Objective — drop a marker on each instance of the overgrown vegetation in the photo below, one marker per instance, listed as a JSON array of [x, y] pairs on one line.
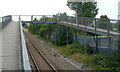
[[84, 9], [63, 39], [95, 61], [104, 23]]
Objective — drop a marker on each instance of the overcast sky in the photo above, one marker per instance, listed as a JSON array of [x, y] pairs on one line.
[[50, 7]]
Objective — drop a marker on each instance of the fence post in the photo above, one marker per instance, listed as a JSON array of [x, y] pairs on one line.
[[109, 39], [95, 25]]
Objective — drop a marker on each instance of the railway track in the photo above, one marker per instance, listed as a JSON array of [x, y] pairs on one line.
[[39, 60]]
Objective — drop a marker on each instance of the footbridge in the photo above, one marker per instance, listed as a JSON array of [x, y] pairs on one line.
[[14, 55]]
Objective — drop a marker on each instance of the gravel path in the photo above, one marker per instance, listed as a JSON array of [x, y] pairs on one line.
[[56, 59]]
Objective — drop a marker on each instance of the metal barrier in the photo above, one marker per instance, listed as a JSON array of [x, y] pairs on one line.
[[25, 65], [38, 19], [5, 20], [0, 23], [105, 27]]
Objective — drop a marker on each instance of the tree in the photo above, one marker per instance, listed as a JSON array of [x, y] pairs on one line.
[[34, 28], [61, 14], [104, 23], [84, 9], [35, 19], [46, 30], [64, 35], [23, 24], [118, 26]]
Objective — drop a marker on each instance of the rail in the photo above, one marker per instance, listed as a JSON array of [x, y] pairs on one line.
[[41, 55], [5, 20], [100, 26], [0, 23], [25, 65]]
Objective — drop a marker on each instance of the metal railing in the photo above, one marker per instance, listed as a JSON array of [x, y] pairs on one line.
[[0, 23], [105, 27], [24, 60], [5, 20], [25, 65], [38, 19], [95, 24]]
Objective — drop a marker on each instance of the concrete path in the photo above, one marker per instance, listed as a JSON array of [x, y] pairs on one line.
[[0, 47], [10, 47]]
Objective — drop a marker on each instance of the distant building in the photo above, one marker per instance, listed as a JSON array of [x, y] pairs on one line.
[[119, 10]]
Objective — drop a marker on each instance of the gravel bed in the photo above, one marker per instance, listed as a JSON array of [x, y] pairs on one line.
[[42, 64], [58, 61]]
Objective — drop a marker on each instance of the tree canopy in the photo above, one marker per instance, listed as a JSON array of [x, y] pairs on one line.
[[104, 23], [84, 9]]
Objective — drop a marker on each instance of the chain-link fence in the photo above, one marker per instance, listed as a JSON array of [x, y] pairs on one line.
[[106, 29]]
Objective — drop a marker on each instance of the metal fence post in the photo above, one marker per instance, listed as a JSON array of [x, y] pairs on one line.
[[97, 41], [95, 26], [109, 42]]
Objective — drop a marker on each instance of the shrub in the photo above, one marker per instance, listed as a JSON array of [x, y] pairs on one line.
[[61, 35], [106, 62], [73, 48]]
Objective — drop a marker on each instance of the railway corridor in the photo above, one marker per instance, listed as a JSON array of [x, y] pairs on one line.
[[13, 50], [40, 62], [57, 62]]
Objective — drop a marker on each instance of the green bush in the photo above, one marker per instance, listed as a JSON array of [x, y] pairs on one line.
[[64, 35], [73, 48], [89, 50], [106, 62], [34, 28], [26, 26], [118, 52]]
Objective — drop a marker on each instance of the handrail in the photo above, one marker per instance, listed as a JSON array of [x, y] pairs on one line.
[[25, 65], [0, 23], [6, 20]]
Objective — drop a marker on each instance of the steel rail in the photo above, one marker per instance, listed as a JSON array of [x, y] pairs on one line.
[[33, 59], [43, 55]]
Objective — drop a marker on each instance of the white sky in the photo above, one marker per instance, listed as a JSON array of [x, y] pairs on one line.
[[50, 7]]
